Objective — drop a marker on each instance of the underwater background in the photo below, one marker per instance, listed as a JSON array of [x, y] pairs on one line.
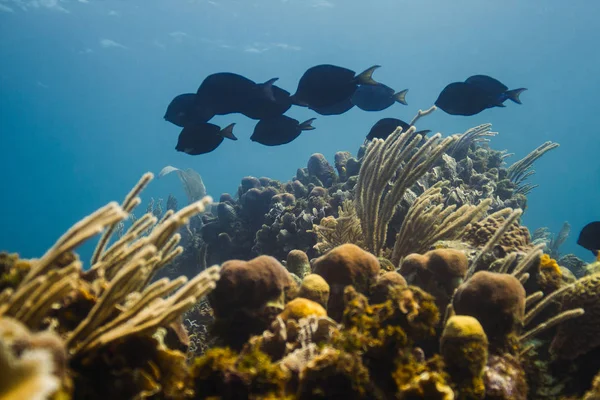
[[84, 86]]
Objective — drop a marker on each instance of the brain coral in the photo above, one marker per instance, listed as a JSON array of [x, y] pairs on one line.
[[249, 284], [517, 238]]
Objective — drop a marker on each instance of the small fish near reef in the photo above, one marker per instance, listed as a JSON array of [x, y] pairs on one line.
[[377, 97], [589, 237], [279, 130], [386, 126], [203, 138], [496, 88], [325, 85], [184, 110], [460, 98], [478, 93], [227, 93]]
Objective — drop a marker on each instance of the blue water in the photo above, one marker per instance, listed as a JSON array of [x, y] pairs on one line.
[[84, 86]]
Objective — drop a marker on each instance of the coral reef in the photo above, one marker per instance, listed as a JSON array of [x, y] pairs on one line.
[[403, 273], [324, 206]]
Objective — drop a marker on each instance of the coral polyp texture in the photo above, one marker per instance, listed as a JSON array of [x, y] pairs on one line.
[[401, 273]]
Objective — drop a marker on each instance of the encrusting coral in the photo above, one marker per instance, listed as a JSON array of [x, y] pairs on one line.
[[404, 273]]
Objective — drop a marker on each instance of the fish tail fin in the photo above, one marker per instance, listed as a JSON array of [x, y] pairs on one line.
[[267, 88], [400, 97], [306, 125], [366, 77], [227, 132], [514, 94]]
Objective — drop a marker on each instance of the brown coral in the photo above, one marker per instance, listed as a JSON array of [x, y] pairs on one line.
[[439, 272], [346, 265], [497, 301], [248, 298], [249, 285], [380, 291]]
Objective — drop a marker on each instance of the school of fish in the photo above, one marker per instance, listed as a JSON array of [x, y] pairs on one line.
[[325, 89]]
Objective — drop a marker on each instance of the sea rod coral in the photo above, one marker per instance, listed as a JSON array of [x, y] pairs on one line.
[[105, 326]]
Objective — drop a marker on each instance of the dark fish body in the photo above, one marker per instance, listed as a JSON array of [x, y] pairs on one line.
[[487, 83], [377, 97], [279, 130], [496, 88], [203, 138], [460, 98], [184, 110], [326, 85], [589, 237], [335, 109], [386, 126], [264, 108], [226, 93]]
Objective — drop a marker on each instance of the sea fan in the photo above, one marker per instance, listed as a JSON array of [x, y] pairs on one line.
[[191, 180]]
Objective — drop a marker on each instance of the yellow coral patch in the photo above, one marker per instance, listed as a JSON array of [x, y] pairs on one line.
[[301, 308], [548, 264], [464, 327]]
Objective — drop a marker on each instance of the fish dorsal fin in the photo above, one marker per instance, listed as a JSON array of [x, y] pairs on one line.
[[267, 88], [366, 77], [306, 125], [227, 132], [400, 97]]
